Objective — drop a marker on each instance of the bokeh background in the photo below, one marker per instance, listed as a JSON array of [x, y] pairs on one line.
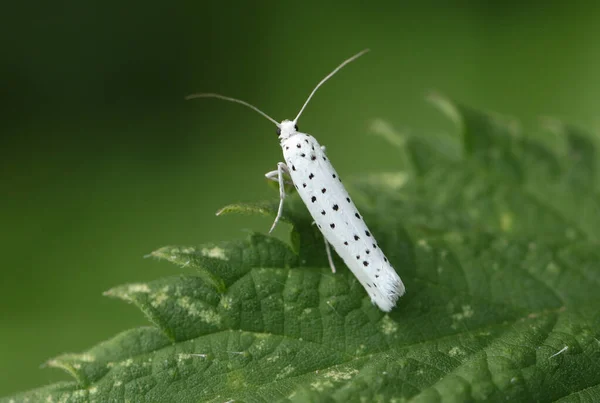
[[102, 161]]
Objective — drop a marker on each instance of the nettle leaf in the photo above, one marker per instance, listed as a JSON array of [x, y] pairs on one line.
[[496, 239]]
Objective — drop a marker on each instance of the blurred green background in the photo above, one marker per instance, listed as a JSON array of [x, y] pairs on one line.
[[102, 161]]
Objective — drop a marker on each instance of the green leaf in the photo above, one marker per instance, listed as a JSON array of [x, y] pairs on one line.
[[495, 236]]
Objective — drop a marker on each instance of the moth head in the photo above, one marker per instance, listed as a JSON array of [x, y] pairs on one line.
[[287, 129]]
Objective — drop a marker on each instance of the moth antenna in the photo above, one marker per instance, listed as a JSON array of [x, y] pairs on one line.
[[237, 101], [351, 59]]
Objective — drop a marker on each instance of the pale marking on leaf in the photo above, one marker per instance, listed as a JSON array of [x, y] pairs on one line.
[[157, 299], [244, 353], [506, 221], [68, 358], [454, 351], [227, 302], [93, 390], [467, 312], [86, 357], [206, 315], [285, 372], [138, 288], [188, 356], [117, 384], [127, 292], [391, 180], [339, 376], [388, 326], [334, 310], [320, 386], [216, 253], [424, 244], [261, 345], [553, 268], [565, 348]]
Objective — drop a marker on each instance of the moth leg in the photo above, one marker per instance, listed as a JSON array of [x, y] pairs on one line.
[[328, 250], [274, 176], [323, 148], [281, 168], [329, 257]]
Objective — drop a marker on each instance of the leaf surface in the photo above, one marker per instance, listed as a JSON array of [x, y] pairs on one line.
[[496, 242]]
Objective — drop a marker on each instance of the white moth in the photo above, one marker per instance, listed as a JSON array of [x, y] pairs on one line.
[[328, 202]]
